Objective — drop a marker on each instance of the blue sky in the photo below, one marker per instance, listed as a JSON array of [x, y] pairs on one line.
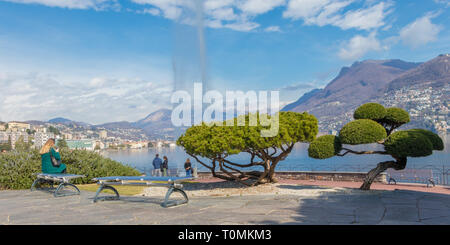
[[110, 60]]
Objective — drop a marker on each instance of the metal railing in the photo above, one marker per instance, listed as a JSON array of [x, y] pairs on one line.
[[440, 173]]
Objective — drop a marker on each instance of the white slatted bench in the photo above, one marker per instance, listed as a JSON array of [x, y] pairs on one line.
[[173, 183], [62, 179]]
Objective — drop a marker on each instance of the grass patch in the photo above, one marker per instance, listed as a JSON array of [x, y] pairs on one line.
[[124, 190]]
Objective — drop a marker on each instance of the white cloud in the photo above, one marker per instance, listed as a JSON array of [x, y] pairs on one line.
[[365, 19], [256, 7], [41, 97], [333, 12], [445, 2], [233, 14], [358, 46], [72, 4], [272, 29], [420, 32], [152, 11]]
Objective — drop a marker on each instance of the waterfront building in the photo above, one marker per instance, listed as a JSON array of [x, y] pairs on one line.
[[15, 136], [40, 138], [3, 137], [103, 134]]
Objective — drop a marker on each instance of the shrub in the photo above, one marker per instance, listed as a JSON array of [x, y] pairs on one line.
[[325, 147], [217, 143], [17, 168], [373, 111], [435, 140], [362, 131], [408, 144], [396, 115]]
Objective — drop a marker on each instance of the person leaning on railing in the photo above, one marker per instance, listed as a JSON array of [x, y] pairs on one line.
[[188, 167], [49, 165]]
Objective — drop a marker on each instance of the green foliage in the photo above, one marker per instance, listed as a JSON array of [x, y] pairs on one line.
[[17, 168], [5, 147], [62, 143], [210, 141], [435, 140], [396, 115], [53, 130], [373, 111], [21, 145], [408, 143], [325, 146], [362, 131]]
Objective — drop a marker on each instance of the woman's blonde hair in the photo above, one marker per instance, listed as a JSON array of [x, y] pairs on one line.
[[46, 148]]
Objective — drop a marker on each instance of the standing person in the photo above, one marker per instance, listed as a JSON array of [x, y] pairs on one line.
[[165, 166], [47, 152], [188, 168], [157, 162]]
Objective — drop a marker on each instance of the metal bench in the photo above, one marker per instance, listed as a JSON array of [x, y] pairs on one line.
[[412, 175], [172, 183], [62, 179]]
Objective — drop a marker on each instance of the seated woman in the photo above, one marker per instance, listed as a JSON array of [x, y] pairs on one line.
[[47, 166]]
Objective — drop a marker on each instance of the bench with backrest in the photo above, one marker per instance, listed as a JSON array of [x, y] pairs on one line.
[[172, 183], [63, 181], [411, 175]]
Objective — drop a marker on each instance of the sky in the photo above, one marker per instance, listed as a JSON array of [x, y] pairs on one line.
[[100, 61]]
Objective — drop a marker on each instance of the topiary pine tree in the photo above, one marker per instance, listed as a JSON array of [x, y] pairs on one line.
[[375, 124], [217, 143]]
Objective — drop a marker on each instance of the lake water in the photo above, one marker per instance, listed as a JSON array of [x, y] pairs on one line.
[[298, 160]]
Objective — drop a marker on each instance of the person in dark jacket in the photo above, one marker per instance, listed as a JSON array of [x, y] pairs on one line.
[[157, 162], [188, 167], [47, 151], [165, 166]]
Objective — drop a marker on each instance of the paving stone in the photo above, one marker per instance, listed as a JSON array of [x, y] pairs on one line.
[[343, 206]]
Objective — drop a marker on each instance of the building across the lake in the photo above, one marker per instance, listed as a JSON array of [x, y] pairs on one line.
[[86, 144], [40, 138], [18, 126]]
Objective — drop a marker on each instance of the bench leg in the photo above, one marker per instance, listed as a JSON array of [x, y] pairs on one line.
[[103, 187], [33, 186], [172, 189], [430, 181], [391, 179], [61, 186]]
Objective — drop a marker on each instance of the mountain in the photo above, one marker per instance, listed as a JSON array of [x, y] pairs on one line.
[[115, 125], [35, 122], [389, 82], [159, 124], [157, 117], [435, 72], [68, 122], [352, 86]]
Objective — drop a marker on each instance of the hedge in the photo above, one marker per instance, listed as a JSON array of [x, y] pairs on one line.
[[362, 131], [325, 146], [408, 143], [373, 111], [17, 168], [396, 115]]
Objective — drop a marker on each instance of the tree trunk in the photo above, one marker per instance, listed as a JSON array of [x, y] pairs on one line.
[[381, 167], [271, 178]]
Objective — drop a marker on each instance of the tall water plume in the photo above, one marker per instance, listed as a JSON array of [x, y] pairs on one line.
[[189, 62]]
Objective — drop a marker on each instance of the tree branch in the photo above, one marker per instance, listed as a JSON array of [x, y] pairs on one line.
[[361, 152]]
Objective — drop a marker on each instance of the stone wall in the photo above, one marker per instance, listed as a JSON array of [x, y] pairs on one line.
[[318, 175]]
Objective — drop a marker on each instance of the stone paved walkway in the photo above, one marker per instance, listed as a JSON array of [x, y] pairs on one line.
[[324, 206]]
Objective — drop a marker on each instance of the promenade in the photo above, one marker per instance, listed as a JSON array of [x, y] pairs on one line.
[[286, 203]]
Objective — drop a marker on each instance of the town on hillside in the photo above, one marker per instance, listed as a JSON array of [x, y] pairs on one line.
[[19, 134]]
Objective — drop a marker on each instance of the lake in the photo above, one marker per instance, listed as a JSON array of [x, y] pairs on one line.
[[298, 160]]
